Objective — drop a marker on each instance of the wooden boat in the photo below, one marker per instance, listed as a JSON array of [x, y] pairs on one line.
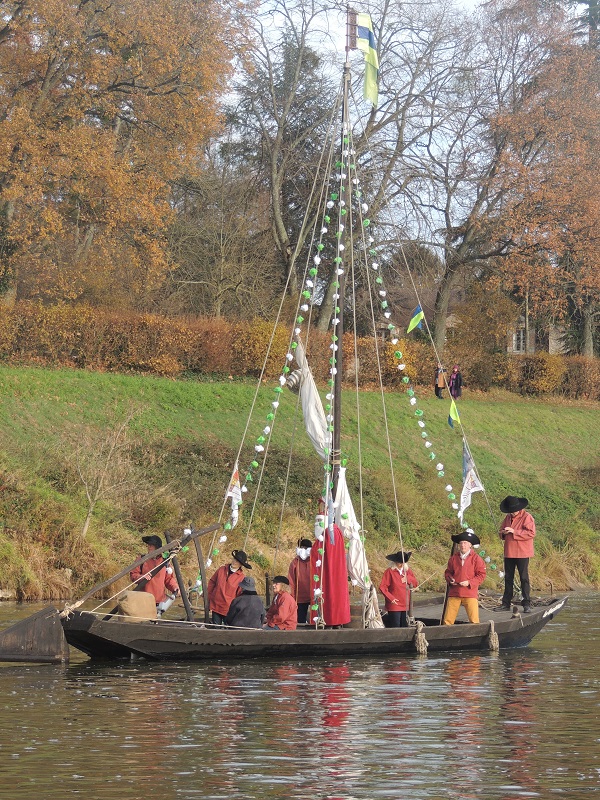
[[110, 634], [166, 640], [45, 636]]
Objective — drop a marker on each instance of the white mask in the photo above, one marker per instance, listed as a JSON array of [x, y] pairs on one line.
[[303, 552]]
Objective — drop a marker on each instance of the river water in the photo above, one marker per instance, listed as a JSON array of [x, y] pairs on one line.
[[518, 724]]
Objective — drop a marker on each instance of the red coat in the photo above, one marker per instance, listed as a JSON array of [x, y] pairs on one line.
[[472, 570], [520, 543], [283, 612], [222, 588], [394, 586], [299, 576], [162, 580], [332, 578]]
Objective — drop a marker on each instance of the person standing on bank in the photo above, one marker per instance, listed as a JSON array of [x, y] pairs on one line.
[[455, 383], [395, 586], [517, 532], [282, 614], [439, 381], [464, 574], [247, 609], [299, 576], [224, 584]]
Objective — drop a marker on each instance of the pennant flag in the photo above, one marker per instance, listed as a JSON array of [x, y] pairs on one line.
[[365, 41], [471, 481], [453, 415], [416, 321], [235, 492]]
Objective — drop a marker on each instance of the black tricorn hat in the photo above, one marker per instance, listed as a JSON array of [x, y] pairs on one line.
[[155, 541], [511, 504], [400, 557], [241, 557], [466, 536], [304, 543], [280, 579]]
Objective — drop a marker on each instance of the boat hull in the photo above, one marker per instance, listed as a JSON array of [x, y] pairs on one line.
[[167, 640]]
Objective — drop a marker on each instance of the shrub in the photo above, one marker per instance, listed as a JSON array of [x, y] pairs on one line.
[[542, 373], [582, 378], [87, 337]]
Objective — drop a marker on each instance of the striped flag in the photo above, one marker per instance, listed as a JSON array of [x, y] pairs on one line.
[[235, 492], [471, 481], [365, 41], [416, 321]]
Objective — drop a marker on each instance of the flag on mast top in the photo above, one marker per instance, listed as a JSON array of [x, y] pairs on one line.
[[365, 41]]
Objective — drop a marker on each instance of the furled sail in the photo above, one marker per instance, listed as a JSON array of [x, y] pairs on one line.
[[345, 518], [358, 567], [312, 407]]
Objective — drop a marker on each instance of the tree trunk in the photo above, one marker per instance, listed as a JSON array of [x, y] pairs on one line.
[[587, 346], [8, 296], [440, 310]]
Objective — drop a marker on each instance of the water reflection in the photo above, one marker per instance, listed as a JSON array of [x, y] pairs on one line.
[[501, 726]]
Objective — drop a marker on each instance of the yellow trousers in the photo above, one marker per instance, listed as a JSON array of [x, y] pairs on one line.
[[454, 603]]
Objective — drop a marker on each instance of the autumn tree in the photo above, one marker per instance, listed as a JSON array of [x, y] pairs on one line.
[[553, 214], [102, 106]]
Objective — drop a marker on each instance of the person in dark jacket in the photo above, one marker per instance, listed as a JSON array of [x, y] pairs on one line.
[[455, 383], [247, 609]]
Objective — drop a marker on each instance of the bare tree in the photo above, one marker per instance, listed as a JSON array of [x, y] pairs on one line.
[[103, 464], [224, 254], [284, 105]]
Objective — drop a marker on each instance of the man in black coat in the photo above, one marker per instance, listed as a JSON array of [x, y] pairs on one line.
[[247, 609]]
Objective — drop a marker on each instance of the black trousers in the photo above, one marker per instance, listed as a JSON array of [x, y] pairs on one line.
[[218, 619], [302, 612], [522, 565], [396, 619]]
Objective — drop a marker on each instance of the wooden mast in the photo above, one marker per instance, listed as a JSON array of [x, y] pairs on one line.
[[343, 221]]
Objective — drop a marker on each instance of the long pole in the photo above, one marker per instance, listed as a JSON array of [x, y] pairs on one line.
[[189, 612], [337, 360]]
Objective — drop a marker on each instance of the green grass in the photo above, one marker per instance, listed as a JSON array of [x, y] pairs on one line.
[[181, 445]]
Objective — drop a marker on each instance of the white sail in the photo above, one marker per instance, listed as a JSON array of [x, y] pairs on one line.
[[358, 567], [312, 407], [316, 426]]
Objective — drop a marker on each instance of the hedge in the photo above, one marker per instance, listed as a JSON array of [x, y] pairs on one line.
[[91, 338]]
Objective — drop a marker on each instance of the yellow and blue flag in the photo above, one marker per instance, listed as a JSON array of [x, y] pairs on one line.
[[453, 415], [365, 41], [416, 321]]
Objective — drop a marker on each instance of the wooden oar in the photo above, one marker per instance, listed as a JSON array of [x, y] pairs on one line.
[[176, 543], [447, 588]]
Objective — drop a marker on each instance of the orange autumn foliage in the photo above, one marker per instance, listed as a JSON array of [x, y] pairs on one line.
[[103, 105], [553, 214]]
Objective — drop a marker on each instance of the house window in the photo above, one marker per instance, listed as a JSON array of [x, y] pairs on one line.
[[519, 341]]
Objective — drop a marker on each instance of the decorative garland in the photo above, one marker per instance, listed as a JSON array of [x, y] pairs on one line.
[[306, 300]]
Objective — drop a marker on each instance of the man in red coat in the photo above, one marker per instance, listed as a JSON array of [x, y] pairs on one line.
[[282, 614], [224, 584], [395, 586], [299, 576], [517, 532], [464, 573], [159, 579]]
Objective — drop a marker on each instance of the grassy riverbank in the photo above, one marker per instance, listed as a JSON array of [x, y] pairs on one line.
[[174, 444]]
